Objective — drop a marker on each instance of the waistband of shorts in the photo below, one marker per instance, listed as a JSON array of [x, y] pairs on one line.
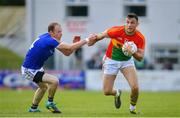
[[22, 67], [105, 57]]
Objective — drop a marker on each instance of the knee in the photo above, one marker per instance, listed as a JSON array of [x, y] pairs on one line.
[[55, 82], [44, 88]]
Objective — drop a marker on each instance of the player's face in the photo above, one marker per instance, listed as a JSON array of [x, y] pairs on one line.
[[57, 33], [131, 24]]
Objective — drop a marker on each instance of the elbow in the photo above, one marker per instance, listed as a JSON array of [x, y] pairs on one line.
[[138, 56], [140, 59], [67, 54]]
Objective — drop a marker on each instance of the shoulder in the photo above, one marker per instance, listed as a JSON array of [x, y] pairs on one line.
[[115, 31], [53, 42], [140, 35], [47, 38], [116, 28], [45, 35]]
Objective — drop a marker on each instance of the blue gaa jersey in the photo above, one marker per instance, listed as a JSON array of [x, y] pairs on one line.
[[40, 50]]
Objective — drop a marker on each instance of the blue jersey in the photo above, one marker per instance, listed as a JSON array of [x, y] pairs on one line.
[[40, 50]]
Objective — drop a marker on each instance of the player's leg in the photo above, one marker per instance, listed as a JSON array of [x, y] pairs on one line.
[[52, 84], [111, 69], [108, 83], [35, 76], [52, 87], [38, 95], [131, 76]]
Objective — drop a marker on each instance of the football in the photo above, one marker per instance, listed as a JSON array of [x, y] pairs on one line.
[[126, 46]]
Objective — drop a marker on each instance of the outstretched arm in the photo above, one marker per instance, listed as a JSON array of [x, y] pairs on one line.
[[65, 51], [68, 49], [93, 38]]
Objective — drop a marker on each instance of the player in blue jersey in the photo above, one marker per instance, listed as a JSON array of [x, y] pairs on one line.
[[32, 69]]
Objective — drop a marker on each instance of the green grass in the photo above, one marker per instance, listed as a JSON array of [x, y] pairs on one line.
[[9, 60], [90, 104]]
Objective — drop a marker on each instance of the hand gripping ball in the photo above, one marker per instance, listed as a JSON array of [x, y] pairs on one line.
[[129, 48]]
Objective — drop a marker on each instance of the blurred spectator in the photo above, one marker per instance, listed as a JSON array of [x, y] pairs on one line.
[[140, 64], [150, 66], [78, 59], [91, 63], [96, 61], [167, 65], [78, 54]]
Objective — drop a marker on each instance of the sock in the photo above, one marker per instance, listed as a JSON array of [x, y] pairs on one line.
[[132, 107], [117, 92], [133, 103], [34, 106], [50, 99]]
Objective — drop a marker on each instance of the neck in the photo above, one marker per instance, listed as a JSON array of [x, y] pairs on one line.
[[55, 39]]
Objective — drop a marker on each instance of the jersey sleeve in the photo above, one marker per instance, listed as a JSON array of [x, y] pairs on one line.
[[53, 43], [141, 44], [112, 32]]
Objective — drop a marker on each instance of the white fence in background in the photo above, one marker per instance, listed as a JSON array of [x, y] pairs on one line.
[[92, 80], [148, 81]]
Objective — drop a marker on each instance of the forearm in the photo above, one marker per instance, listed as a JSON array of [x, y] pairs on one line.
[[77, 45], [100, 36], [138, 56], [66, 52], [67, 49]]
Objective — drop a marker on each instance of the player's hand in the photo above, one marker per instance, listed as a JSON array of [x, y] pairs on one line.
[[92, 39], [129, 48]]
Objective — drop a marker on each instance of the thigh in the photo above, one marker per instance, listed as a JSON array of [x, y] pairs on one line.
[[111, 67], [130, 75], [108, 81], [48, 78]]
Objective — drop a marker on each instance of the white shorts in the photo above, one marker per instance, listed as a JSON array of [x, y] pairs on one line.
[[29, 73], [112, 67]]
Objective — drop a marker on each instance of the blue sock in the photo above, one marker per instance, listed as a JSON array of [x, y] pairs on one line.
[[34, 106], [50, 99]]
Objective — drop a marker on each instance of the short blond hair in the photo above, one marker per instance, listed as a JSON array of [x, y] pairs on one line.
[[52, 26]]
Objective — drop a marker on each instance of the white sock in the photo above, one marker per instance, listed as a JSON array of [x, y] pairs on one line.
[[117, 92], [132, 107]]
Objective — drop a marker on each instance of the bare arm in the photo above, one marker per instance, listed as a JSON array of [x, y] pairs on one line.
[[97, 37], [139, 55], [68, 49], [65, 51], [102, 35]]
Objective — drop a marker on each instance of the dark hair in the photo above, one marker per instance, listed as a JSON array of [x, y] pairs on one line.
[[132, 15], [51, 26]]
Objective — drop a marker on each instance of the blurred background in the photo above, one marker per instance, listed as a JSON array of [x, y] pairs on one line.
[[21, 21]]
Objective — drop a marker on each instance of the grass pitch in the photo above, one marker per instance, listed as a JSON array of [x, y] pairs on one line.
[[15, 103]]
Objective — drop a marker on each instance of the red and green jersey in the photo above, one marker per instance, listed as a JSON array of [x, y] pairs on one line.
[[118, 38]]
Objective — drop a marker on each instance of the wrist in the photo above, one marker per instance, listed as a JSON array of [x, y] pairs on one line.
[[86, 39], [99, 36]]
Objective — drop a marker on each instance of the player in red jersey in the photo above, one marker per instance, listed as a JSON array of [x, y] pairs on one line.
[[116, 60]]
